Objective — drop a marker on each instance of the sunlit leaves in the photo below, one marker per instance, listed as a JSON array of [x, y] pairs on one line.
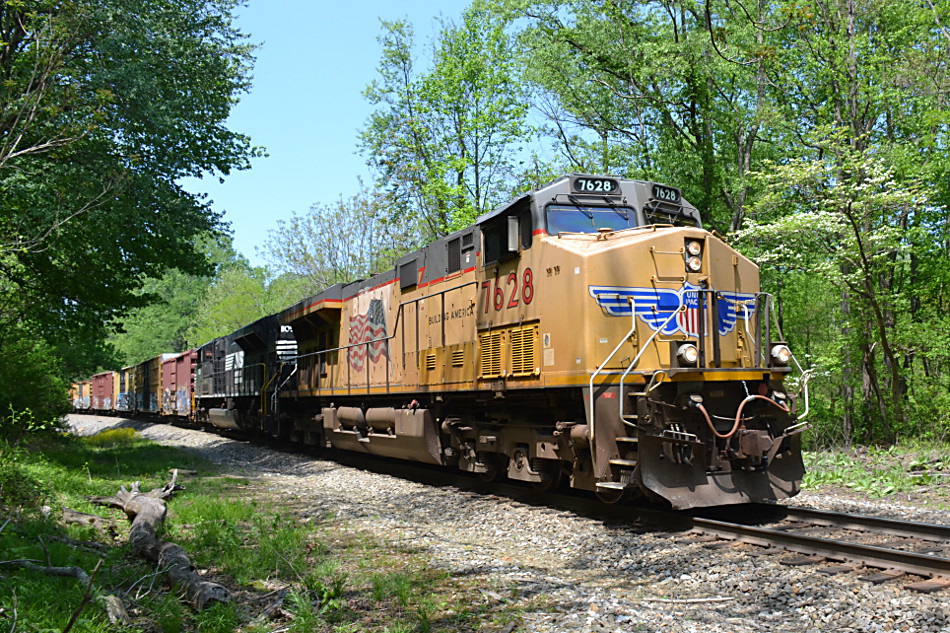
[[443, 140]]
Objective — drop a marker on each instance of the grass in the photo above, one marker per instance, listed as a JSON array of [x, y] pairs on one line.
[[237, 533], [879, 472]]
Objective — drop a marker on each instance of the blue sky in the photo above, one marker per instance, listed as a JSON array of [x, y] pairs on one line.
[[306, 106]]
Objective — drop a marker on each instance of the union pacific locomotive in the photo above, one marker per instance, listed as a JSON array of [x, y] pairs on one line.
[[588, 332]]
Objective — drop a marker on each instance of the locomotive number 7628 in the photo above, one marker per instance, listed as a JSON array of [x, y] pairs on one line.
[[511, 293]]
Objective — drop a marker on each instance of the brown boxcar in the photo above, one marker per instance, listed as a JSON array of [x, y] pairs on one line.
[[178, 384], [103, 386]]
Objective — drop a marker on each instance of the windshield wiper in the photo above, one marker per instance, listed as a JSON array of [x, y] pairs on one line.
[[577, 203], [619, 210]]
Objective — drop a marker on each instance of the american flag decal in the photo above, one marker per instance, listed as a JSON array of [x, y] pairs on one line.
[[370, 326]]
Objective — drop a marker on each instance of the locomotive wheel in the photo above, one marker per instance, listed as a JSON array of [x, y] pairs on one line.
[[489, 475], [494, 466], [550, 477]]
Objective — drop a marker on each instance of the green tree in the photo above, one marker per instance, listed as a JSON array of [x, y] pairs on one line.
[[861, 85], [240, 295], [351, 239], [163, 324], [669, 91], [104, 106], [444, 141], [848, 232]]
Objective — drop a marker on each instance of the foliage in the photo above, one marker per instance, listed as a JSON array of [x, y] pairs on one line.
[[444, 140], [31, 376], [846, 222], [877, 471], [164, 325], [352, 239], [104, 106], [242, 294], [643, 89]]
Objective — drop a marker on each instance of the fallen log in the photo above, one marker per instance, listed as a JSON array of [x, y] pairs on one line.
[[147, 512]]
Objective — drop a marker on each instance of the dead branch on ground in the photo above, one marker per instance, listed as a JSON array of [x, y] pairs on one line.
[[147, 512]]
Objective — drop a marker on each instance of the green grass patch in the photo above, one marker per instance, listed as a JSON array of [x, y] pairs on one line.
[[879, 472], [61, 472], [112, 437], [237, 532]]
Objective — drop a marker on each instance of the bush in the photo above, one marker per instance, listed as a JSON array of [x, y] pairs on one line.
[[30, 378], [17, 425]]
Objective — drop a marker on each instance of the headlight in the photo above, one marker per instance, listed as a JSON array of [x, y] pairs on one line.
[[687, 354], [694, 264], [781, 354], [693, 247]]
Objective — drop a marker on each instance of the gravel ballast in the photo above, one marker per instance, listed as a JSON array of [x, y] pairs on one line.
[[592, 576]]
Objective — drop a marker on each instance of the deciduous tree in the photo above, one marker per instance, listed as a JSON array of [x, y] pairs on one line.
[[444, 140], [104, 106]]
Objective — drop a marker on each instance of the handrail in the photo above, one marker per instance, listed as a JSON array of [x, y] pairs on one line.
[[388, 337], [395, 324], [633, 328], [633, 314], [806, 374]]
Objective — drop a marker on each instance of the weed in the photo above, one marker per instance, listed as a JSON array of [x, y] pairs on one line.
[[874, 470], [221, 617], [112, 437], [300, 605], [169, 614], [327, 584], [391, 584], [19, 486]]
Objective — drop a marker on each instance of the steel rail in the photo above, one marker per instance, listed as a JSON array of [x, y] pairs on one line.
[[869, 555], [894, 527]]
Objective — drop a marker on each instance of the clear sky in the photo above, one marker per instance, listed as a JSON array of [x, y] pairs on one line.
[[306, 105]]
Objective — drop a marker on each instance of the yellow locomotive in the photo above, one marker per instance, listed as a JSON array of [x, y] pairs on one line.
[[590, 331]]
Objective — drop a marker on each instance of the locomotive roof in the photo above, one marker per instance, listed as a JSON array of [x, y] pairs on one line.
[[640, 192]]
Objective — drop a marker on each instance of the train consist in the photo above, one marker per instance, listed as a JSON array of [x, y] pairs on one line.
[[590, 332]]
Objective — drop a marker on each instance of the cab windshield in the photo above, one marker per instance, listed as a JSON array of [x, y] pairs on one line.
[[564, 218]]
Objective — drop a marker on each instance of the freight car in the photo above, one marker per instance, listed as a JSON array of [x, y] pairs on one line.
[[590, 332]]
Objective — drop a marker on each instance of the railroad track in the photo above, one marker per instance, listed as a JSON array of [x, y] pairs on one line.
[[846, 541], [889, 549]]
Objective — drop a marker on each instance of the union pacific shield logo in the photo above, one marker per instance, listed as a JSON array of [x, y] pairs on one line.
[[660, 307]]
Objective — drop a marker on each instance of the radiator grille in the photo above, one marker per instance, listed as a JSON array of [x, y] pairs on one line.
[[430, 361], [458, 358], [489, 354], [522, 350]]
